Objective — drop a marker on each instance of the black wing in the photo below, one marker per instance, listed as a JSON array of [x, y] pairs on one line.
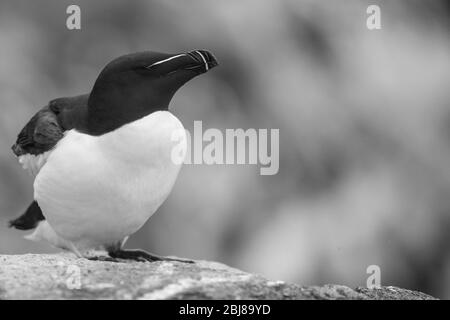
[[41, 134], [47, 126]]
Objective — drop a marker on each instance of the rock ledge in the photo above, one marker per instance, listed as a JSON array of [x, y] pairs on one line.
[[61, 276]]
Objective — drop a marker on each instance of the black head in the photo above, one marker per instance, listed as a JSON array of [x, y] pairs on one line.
[[135, 85]]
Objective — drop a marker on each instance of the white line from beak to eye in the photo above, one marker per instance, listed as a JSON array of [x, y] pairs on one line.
[[204, 60], [168, 59]]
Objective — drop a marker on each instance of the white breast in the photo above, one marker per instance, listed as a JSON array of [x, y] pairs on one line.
[[98, 190], [33, 163]]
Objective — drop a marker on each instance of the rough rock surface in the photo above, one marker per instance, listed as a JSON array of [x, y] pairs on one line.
[[61, 276]]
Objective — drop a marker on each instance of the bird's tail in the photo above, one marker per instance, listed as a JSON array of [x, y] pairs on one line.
[[29, 220]]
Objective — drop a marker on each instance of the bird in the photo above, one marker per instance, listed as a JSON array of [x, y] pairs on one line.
[[102, 162]]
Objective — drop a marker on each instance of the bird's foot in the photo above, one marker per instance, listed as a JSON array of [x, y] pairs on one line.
[[102, 258], [142, 256]]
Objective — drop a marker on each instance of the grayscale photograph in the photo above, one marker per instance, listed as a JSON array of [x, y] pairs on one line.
[[208, 151]]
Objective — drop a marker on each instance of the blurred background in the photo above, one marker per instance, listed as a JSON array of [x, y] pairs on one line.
[[364, 119]]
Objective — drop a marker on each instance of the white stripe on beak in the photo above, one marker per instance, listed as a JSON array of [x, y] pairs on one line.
[[204, 60], [165, 60]]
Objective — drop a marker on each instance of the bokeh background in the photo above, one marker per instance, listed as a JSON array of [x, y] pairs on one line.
[[364, 119]]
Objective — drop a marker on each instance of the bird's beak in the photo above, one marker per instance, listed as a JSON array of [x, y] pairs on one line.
[[198, 61], [204, 59]]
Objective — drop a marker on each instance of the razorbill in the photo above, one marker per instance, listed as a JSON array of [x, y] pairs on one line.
[[102, 161]]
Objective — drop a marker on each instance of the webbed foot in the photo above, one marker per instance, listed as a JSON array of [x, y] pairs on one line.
[[142, 256]]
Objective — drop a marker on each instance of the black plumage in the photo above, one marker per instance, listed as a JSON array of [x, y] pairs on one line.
[[30, 219], [48, 125]]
